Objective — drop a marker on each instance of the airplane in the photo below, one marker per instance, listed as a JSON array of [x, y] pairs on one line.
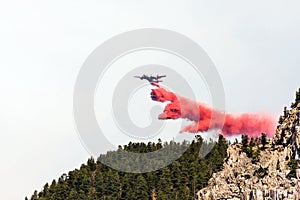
[[151, 79]]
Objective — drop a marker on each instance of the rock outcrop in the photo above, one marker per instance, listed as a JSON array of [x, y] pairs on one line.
[[273, 174]]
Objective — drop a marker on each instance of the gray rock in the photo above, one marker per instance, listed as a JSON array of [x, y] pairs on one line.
[[239, 180]]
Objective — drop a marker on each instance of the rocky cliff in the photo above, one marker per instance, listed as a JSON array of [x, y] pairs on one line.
[[265, 170]]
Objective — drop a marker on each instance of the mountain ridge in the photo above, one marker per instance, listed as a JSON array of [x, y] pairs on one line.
[[273, 174], [256, 168]]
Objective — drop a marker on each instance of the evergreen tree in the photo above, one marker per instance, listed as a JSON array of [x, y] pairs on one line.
[[142, 190], [297, 99], [180, 180], [73, 195], [99, 184], [111, 184], [264, 140], [34, 196], [244, 143]]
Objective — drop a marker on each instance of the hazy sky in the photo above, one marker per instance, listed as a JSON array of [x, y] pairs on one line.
[[255, 46]]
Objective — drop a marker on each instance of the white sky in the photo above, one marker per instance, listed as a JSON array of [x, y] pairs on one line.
[[255, 45]]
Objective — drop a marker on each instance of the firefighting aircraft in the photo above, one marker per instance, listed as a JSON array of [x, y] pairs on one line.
[[151, 79]]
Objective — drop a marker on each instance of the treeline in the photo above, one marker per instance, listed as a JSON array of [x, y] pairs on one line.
[[179, 180]]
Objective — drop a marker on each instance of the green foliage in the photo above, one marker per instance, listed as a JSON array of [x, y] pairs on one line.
[[292, 164], [264, 140], [91, 164], [248, 147], [180, 180], [252, 148], [244, 143], [261, 172], [256, 154], [297, 99], [292, 174]]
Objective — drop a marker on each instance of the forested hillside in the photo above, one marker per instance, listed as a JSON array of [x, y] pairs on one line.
[[180, 180]]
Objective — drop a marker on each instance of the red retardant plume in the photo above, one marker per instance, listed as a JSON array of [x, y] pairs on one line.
[[250, 124]]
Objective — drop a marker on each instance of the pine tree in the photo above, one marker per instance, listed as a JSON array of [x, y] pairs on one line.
[[73, 195], [244, 143], [264, 140], [111, 184], [99, 184], [91, 163], [142, 190], [34, 196], [297, 99], [180, 180]]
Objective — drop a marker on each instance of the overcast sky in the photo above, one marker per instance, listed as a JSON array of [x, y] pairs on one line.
[[255, 46]]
